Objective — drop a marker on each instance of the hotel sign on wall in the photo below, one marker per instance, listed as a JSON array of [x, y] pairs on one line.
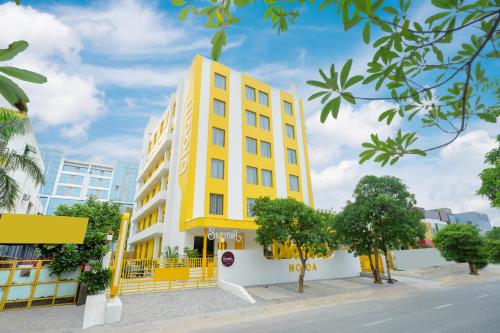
[[215, 234], [227, 258]]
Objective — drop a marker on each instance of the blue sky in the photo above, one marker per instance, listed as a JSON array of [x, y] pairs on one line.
[[113, 64]]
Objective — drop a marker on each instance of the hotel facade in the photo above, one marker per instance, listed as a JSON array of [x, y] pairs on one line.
[[224, 140]]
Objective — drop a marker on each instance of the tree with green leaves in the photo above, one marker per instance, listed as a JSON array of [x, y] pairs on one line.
[[493, 245], [413, 65], [104, 218], [490, 177], [288, 220], [14, 123], [462, 243], [381, 218]]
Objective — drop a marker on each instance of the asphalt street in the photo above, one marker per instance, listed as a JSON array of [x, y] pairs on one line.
[[469, 308]]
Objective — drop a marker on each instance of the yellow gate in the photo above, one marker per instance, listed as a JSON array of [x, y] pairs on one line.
[[28, 283], [149, 275]]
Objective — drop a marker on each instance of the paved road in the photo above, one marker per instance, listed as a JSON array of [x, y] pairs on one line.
[[471, 308]]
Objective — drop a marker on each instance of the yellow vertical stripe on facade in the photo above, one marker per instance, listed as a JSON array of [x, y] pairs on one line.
[[213, 185], [189, 128], [306, 155], [257, 161], [288, 143]]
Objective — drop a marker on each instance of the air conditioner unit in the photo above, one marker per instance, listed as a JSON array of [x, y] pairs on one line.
[[26, 197]]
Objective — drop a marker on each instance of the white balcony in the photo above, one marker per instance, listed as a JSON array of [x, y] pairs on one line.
[[150, 183], [149, 233], [153, 156], [150, 206]]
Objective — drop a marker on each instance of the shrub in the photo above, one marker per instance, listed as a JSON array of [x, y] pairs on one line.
[[96, 279]]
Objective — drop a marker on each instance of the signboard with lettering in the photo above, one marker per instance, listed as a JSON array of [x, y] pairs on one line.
[[227, 258]]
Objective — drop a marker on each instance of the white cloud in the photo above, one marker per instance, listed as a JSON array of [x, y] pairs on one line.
[[105, 149], [135, 76], [68, 101], [130, 28], [449, 179], [48, 36], [472, 144], [351, 128]]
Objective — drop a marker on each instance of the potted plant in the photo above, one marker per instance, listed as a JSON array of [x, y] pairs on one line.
[[96, 280]]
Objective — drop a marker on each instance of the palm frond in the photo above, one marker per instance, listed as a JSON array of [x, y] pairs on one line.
[[25, 162], [12, 123], [9, 191]]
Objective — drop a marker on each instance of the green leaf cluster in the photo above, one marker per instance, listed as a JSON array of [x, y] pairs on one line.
[[288, 220], [382, 217], [96, 279], [104, 218], [490, 177], [445, 87], [8, 88], [461, 243]]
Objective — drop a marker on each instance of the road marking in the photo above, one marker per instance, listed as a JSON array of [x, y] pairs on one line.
[[443, 306], [377, 322], [481, 296]]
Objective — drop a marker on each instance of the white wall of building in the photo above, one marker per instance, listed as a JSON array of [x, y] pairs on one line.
[[406, 260], [27, 201], [250, 268]]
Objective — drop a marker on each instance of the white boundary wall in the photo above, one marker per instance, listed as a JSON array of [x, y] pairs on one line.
[[250, 268], [406, 260]]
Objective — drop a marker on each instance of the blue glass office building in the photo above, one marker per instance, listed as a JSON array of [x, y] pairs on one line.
[[70, 181]]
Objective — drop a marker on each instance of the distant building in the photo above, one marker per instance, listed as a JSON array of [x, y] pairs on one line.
[[480, 220], [435, 219], [70, 181], [27, 202]]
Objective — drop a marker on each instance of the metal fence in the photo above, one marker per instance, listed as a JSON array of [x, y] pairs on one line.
[[28, 283], [149, 275]]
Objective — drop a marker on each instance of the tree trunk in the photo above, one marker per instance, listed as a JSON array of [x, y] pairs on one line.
[[378, 280], [302, 269], [389, 278], [372, 267], [473, 269]]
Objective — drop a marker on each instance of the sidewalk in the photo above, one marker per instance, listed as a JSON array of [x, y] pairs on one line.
[[187, 310]]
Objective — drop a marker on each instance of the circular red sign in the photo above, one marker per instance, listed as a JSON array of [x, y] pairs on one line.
[[227, 258]]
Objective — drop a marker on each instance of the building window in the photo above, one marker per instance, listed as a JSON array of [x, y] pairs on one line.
[[216, 204], [265, 149], [251, 118], [220, 81], [292, 156], [264, 123], [250, 204], [288, 107], [217, 169], [290, 133], [267, 178], [252, 177], [294, 183], [218, 137], [263, 98], [251, 146], [250, 93], [219, 107]]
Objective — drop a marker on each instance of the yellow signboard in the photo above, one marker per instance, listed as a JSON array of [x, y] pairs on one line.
[[41, 229]]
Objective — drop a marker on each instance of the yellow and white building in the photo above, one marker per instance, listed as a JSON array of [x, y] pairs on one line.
[[224, 140]]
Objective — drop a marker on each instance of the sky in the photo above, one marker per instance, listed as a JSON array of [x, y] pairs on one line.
[[111, 65]]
